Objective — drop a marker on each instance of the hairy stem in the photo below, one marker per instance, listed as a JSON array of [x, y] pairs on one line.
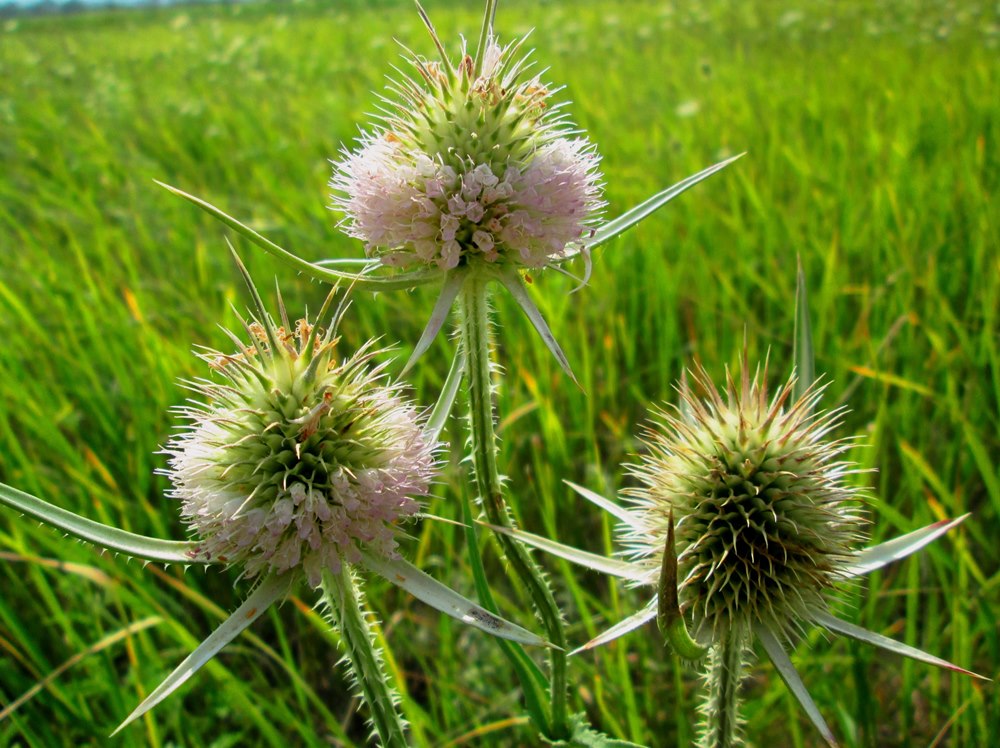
[[720, 713], [476, 343], [344, 600]]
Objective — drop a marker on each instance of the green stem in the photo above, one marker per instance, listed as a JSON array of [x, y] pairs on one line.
[[345, 601], [721, 719], [473, 301]]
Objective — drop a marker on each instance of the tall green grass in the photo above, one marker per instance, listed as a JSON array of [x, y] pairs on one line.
[[873, 133]]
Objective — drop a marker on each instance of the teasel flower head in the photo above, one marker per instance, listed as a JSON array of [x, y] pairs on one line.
[[470, 163], [765, 518], [301, 457]]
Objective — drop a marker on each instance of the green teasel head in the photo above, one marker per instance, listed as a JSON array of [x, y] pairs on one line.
[[301, 456], [765, 517]]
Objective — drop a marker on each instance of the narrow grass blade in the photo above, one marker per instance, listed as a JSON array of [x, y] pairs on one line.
[[643, 210], [776, 652], [534, 684], [112, 538], [439, 315], [802, 354], [878, 556], [406, 576], [593, 561], [84, 571], [884, 642], [513, 283], [621, 628], [446, 400], [262, 597], [319, 272], [98, 646], [607, 505]]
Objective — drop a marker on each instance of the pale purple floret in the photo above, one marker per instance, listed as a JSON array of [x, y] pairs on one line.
[[416, 210]]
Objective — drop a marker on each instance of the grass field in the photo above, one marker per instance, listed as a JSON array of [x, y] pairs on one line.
[[873, 132]]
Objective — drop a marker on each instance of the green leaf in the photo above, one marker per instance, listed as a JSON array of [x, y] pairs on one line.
[[446, 400], [802, 354], [317, 271], [612, 566], [884, 642], [643, 210], [585, 736], [263, 596], [365, 263], [112, 538], [406, 576], [630, 519], [624, 626], [439, 315], [512, 282], [876, 557], [790, 676]]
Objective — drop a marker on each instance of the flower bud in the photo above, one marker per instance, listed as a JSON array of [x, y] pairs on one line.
[[764, 517]]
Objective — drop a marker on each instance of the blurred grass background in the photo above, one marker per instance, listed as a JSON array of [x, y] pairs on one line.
[[873, 132]]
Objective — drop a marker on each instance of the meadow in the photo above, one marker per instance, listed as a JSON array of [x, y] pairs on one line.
[[872, 133]]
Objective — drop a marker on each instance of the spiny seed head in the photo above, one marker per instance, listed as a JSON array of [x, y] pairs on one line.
[[469, 164], [764, 518], [300, 458]]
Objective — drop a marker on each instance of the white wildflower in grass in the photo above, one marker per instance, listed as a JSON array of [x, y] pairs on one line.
[[474, 175], [743, 522], [301, 465], [471, 163]]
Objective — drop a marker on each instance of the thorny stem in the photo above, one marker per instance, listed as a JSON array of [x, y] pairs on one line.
[[720, 714], [476, 343], [341, 594]]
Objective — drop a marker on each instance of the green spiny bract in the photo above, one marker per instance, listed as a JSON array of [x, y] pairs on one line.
[[492, 118], [301, 458], [764, 518]]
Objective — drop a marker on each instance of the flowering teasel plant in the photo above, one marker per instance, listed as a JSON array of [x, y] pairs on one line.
[[474, 176], [300, 466], [743, 522]]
